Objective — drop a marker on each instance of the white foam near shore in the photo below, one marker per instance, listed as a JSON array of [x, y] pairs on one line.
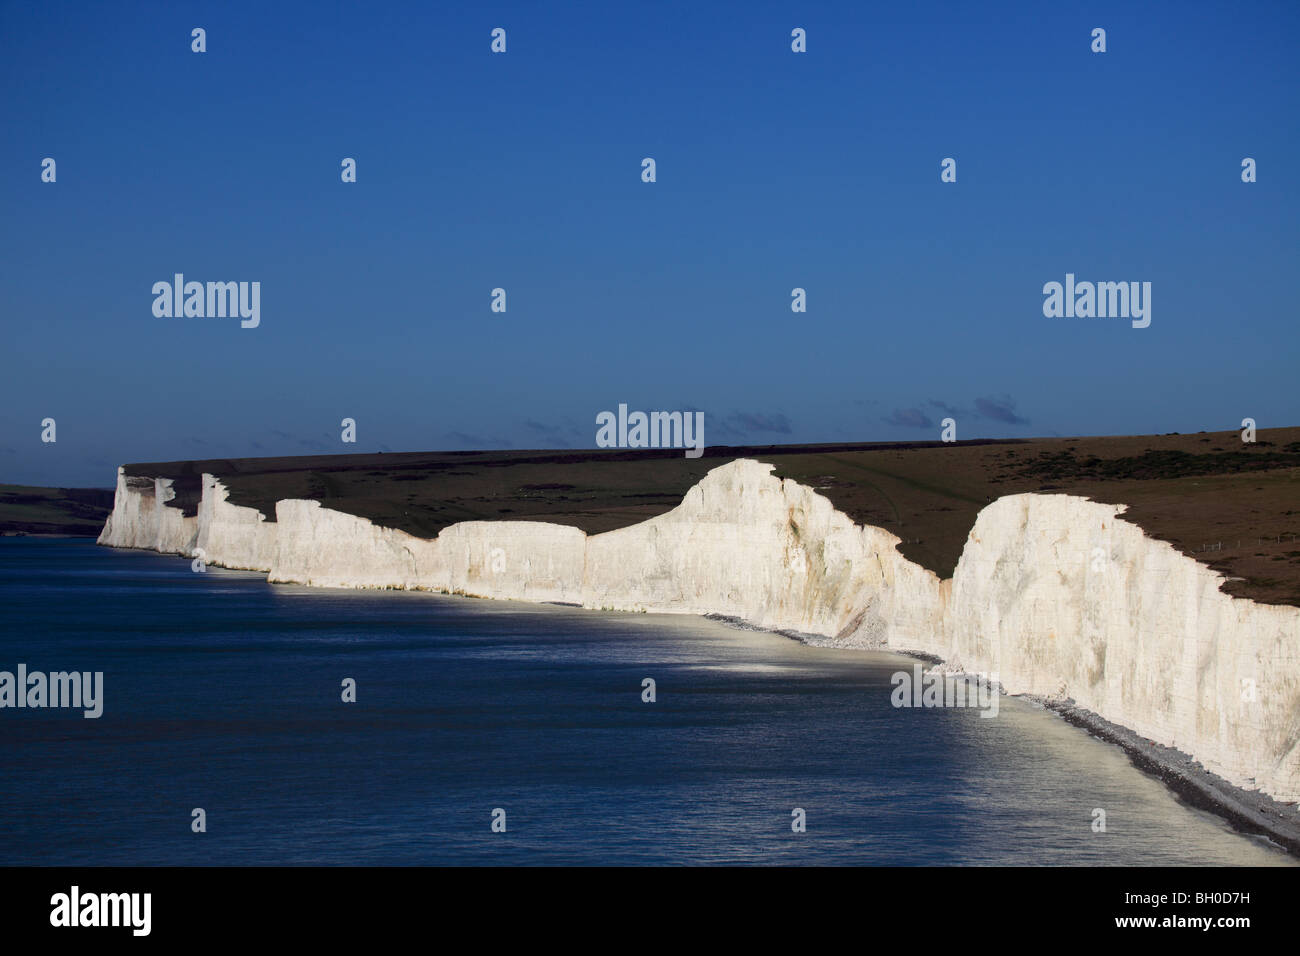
[[1057, 595]]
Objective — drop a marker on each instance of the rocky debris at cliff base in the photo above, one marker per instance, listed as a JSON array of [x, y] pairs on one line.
[[1249, 811]]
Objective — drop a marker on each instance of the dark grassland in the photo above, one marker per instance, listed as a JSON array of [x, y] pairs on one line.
[[25, 509], [1196, 491]]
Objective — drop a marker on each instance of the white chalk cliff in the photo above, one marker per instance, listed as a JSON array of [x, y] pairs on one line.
[[1056, 595]]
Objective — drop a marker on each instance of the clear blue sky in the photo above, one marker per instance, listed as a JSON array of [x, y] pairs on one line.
[[522, 170]]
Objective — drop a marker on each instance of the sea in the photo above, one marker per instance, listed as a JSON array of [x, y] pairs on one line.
[[510, 734]]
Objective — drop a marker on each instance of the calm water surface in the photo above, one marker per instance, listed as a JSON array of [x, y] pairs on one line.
[[223, 692]]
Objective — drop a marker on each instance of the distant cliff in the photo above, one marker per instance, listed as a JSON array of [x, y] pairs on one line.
[[1057, 595]]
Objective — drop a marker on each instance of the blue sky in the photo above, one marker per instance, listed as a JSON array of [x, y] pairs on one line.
[[522, 171]]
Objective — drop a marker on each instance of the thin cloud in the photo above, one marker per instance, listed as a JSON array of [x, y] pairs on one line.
[[999, 409], [466, 440], [748, 422], [945, 407], [715, 426], [909, 418], [555, 435]]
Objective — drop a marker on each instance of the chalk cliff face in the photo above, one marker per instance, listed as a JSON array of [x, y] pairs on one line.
[[742, 543], [1055, 594], [773, 553], [231, 536], [1060, 596], [526, 560], [140, 518]]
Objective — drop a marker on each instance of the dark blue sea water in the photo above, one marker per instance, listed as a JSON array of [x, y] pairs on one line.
[[223, 692]]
